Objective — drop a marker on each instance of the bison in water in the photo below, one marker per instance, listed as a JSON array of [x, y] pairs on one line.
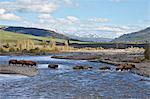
[[53, 66], [22, 62], [12, 62], [125, 67], [30, 63], [79, 67]]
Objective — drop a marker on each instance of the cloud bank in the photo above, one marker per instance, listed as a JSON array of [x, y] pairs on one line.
[[69, 24]]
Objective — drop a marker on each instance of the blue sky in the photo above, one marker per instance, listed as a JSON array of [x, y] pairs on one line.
[[94, 18]]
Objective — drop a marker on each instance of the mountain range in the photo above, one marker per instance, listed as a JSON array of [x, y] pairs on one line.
[[49, 33], [91, 39], [139, 36]]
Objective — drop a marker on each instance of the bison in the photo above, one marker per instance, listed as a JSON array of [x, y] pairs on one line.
[[125, 67], [79, 67], [53, 66], [104, 68], [22, 62], [12, 62], [30, 63]]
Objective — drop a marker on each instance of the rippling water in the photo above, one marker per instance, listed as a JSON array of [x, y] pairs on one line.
[[65, 83]]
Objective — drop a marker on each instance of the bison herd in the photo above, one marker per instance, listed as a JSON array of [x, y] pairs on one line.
[[22, 62], [121, 67]]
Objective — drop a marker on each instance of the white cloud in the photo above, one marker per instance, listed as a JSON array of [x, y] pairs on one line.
[[70, 3], [72, 25], [111, 28], [99, 20], [40, 6], [72, 18], [48, 19], [8, 16], [2, 11], [119, 30], [69, 24], [44, 16]]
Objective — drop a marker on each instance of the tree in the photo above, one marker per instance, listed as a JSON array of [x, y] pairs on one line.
[[147, 51], [53, 44], [66, 45]]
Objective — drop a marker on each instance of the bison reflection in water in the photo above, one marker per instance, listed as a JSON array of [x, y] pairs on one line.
[[22, 62]]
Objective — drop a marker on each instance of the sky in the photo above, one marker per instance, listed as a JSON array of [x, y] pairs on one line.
[[84, 18]]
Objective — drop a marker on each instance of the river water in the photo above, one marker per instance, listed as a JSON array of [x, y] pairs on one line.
[[66, 83]]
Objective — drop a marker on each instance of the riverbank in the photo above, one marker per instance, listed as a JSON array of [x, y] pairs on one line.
[[26, 53], [22, 70], [115, 57]]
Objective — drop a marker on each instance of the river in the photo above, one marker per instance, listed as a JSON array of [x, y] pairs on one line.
[[66, 83]]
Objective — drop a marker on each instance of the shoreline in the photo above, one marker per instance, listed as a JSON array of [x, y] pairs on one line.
[[21, 70], [28, 54], [114, 57]]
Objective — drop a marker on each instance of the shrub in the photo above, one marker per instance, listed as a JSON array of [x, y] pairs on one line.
[[53, 44], [2, 49], [147, 51], [36, 50], [12, 49], [6, 46], [25, 50]]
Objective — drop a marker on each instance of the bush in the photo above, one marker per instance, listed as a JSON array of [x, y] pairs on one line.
[[6, 46], [36, 50], [25, 50], [12, 49], [2, 49], [147, 51], [55, 49]]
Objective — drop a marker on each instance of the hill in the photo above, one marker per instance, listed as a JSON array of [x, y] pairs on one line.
[[6, 36], [140, 36], [10, 36], [35, 32]]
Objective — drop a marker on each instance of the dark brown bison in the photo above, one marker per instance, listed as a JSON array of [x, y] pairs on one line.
[[12, 62], [125, 67], [104, 68], [21, 62], [26, 63], [79, 67], [30, 63], [53, 66], [129, 66]]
